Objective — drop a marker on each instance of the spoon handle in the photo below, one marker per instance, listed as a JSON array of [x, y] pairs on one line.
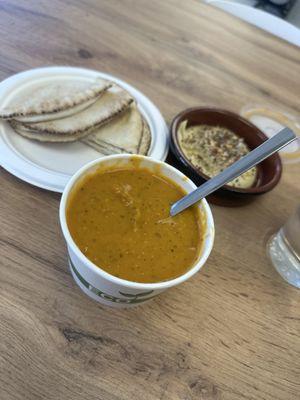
[[270, 146]]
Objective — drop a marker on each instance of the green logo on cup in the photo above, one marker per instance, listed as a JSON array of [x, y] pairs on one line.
[[128, 298]]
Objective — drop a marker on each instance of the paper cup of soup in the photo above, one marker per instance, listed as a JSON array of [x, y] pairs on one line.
[[123, 246]]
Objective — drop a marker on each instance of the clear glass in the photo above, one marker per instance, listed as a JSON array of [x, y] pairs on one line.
[[284, 250]]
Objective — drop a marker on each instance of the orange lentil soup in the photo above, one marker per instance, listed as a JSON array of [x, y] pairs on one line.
[[119, 218]]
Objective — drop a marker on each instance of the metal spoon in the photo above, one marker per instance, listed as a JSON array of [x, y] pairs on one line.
[[266, 149]]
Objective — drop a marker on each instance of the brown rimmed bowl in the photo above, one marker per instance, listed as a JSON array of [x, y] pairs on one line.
[[269, 171]]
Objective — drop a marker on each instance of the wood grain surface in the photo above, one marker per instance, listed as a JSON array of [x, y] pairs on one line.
[[232, 332]]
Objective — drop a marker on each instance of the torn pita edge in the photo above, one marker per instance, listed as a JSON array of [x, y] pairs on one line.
[[146, 139], [104, 148], [141, 138]]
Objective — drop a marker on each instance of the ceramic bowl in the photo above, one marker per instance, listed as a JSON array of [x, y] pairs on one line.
[[269, 171]]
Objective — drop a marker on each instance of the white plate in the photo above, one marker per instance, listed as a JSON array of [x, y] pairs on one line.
[[51, 165]]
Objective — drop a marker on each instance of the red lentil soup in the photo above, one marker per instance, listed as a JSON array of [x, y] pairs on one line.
[[119, 219]]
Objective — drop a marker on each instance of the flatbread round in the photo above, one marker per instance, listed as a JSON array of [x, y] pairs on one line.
[[123, 132], [56, 100], [108, 106]]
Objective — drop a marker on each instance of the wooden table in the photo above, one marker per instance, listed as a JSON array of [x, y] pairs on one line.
[[231, 332]]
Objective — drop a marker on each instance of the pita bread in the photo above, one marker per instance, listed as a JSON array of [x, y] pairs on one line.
[[94, 140], [123, 132], [101, 112], [145, 140], [56, 100], [102, 147]]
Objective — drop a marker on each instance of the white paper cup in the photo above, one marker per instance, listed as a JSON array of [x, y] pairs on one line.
[[106, 288]]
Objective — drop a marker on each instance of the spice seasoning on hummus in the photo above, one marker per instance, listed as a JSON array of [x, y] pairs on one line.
[[211, 149]]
